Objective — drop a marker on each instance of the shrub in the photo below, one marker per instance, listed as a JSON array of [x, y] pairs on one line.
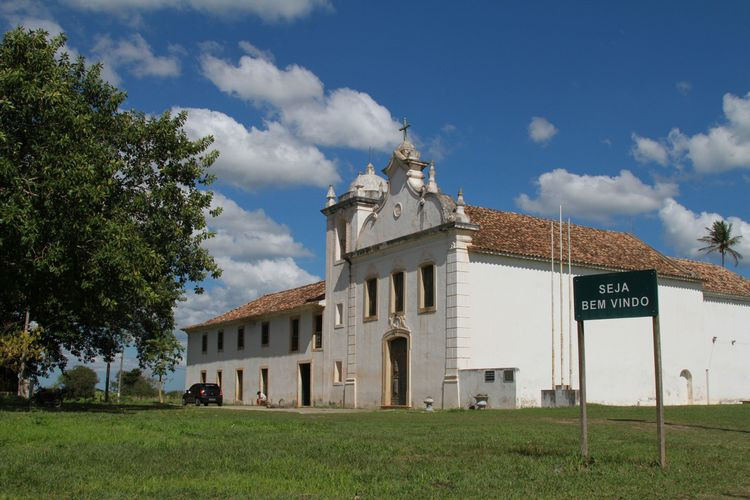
[[79, 382]]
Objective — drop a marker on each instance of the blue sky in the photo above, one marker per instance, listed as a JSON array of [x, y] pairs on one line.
[[634, 116]]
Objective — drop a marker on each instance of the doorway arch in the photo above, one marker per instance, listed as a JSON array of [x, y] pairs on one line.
[[689, 379], [396, 369]]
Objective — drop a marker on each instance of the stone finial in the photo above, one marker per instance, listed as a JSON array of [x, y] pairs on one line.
[[370, 170], [331, 196], [432, 186], [460, 204]]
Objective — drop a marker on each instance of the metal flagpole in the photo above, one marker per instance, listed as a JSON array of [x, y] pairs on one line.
[[562, 354], [552, 293], [570, 314]]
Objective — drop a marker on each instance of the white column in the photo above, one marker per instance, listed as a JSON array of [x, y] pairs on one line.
[[458, 319], [350, 384]]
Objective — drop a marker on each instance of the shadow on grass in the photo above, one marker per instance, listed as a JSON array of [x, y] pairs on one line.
[[92, 407], [537, 451], [695, 426]]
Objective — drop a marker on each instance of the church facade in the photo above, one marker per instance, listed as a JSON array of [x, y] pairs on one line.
[[427, 297]]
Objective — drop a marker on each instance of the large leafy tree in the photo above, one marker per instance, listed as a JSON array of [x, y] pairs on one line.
[[102, 210], [719, 238], [79, 382], [134, 383], [162, 357]]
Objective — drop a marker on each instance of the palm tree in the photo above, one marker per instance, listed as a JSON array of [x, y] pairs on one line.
[[720, 239]]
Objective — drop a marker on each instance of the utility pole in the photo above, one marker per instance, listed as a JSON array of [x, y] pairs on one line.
[[119, 376]]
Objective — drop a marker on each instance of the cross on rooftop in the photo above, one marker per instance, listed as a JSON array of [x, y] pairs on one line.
[[403, 129]]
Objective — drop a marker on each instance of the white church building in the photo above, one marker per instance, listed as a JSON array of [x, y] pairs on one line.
[[427, 297]]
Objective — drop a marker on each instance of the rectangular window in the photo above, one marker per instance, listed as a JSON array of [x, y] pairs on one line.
[[294, 334], [219, 379], [397, 292], [265, 327], [371, 298], [318, 332], [240, 338], [337, 372], [339, 314], [508, 376], [204, 343], [220, 341], [203, 376], [489, 375], [427, 288], [238, 389]]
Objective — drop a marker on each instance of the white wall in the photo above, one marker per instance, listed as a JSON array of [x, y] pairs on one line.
[[427, 338], [729, 363], [511, 311], [281, 363]]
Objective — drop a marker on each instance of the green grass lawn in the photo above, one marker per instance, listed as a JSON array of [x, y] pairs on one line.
[[126, 451]]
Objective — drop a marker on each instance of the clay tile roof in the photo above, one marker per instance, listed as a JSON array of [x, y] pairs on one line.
[[526, 236], [285, 300], [717, 279]]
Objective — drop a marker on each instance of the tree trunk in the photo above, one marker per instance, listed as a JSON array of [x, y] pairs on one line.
[[119, 375], [161, 395], [22, 389], [106, 385]]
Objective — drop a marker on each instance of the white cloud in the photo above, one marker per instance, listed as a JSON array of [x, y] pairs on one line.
[[256, 254], [34, 23], [346, 118], [683, 227], [248, 235], [595, 197], [683, 87], [440, 145], [724, 147], [646, 150], [134, 54], [254, 51], [240, 283], [541, 131], [258, 80], [342, 117], [31, 14], [268, 10], [251, 158]]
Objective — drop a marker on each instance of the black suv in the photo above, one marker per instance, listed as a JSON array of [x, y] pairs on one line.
[[203, 393]]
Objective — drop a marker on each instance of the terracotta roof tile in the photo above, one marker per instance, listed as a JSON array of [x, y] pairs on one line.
[[285, 300], [717, 279], [528, 236]]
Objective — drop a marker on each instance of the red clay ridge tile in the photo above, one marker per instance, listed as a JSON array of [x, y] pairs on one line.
[[285, 300], [527, 236], [717, 279]]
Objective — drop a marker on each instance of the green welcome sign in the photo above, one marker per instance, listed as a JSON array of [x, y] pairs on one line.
[[616, 295]]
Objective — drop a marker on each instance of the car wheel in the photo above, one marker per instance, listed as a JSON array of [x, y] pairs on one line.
[[184, 402], [219, 403], [197, 402], [205, 403]]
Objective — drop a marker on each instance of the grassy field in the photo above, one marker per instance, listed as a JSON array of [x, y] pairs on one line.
[[126, 451]]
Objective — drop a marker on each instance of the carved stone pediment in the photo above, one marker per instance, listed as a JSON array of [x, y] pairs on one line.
[[397, 321]]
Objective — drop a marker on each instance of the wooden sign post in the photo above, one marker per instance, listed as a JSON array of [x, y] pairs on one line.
[[618, 295]]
